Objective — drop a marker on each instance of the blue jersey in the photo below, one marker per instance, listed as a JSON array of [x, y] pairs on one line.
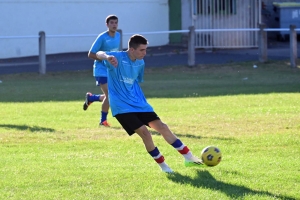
[[125, 93], [104, 42]]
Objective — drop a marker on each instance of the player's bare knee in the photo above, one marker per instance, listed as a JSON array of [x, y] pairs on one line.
[[163, 127], [143, 132]]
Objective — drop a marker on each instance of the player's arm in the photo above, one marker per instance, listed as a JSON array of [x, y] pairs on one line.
[[92, 56], [96, 46], [101, 55]]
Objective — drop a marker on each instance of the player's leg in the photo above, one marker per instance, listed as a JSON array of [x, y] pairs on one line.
[[163, 129], [105, 103], [146, 136], [90, 98], [131, 123]]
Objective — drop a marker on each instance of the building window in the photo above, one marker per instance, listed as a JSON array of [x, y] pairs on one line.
[[204, 7]]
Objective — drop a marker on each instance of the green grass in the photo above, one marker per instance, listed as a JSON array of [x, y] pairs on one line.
[[51, 149]]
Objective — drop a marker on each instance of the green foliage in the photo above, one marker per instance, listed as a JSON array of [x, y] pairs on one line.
[[51, 149]]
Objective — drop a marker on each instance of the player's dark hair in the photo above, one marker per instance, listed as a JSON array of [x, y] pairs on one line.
[[136, 40], [110, 17]]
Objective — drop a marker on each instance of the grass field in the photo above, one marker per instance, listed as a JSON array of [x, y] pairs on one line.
[[51, 149]]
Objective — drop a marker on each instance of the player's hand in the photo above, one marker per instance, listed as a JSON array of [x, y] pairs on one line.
[[112, 60]]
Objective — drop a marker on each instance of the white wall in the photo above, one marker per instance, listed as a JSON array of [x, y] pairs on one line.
[[71, 17], [186, 14]]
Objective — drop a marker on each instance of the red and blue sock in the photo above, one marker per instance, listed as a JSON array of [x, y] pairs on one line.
[[160, 160], [182, 149], [157, 156]]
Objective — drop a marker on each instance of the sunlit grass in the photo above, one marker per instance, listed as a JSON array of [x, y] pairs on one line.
[[51, 149]]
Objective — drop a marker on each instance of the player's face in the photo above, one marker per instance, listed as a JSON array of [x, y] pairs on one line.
[[112, 25], [140, 52]]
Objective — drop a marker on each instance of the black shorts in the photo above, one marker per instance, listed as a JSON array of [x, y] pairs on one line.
[[100, 80], [133, 121]]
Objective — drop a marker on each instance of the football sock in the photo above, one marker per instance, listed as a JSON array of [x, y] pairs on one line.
[[94, 97], [182, 149], [157, 156], [160, 160], [103, 116]]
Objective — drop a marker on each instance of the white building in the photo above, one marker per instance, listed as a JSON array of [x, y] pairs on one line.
[[61, 18]]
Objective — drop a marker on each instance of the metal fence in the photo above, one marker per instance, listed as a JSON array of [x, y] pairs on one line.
[[239, 18], [192, 32]]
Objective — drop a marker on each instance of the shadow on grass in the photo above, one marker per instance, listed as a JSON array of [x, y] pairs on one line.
[[179, 135], [205, 180], [27, 128], [195, 136]]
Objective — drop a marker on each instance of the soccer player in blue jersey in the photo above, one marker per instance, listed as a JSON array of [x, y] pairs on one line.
[[129, 105], [106, 41]]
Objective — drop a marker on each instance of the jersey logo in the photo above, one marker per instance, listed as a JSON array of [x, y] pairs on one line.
[[127, 80]]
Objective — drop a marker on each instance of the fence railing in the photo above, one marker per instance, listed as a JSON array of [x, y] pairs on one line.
[[262, 43]]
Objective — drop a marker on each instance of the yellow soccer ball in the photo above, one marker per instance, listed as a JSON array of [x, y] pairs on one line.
[[211, 156]]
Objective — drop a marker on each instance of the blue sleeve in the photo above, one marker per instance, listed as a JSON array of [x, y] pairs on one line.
[[96, 46]]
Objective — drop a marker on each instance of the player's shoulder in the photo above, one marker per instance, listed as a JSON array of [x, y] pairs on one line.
[[103, 34]]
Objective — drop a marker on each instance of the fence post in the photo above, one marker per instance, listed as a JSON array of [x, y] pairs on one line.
[[191, 47], [293, 46], [262, 43], [42, 52], [121, 39]]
